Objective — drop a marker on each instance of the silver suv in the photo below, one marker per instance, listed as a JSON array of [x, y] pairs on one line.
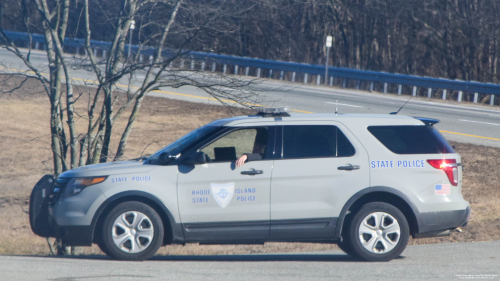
[[364, 182]]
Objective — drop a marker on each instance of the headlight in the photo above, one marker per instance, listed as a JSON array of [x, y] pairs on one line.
[[76, 185]]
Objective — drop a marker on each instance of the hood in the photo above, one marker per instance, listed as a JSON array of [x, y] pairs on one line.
[[107, 169]]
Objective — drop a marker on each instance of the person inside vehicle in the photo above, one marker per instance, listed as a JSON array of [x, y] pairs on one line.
[[259, 149]]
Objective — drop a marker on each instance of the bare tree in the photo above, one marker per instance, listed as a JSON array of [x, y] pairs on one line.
[[154, 32], [162, 41]]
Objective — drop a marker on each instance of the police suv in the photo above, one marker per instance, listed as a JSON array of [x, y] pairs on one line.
[[364, 182]]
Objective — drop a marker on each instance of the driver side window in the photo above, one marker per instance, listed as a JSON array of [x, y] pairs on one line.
[[236, 143]]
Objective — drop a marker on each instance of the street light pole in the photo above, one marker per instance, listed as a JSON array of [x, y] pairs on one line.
[[328, 46], [132, 27]]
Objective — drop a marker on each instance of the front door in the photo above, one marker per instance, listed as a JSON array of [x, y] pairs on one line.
[[221, 202]]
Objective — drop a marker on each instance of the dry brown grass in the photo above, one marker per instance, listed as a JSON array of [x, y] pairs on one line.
[[25, 156]]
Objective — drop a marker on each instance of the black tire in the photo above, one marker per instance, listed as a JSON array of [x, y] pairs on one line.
[[384, 229], [137, 230]]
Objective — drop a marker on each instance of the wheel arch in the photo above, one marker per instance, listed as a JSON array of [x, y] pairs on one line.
[[171, 229], [379, 194]]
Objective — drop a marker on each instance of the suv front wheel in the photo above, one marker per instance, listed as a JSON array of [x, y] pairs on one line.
[[132, 231], [378, 232]]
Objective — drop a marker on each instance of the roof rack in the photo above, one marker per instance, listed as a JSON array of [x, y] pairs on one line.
[[273, 111]]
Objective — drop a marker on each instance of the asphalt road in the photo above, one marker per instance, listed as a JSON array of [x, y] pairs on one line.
[[449, 261], [463, 122]]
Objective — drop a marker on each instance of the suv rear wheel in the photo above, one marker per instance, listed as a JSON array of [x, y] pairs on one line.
[[132, 231], [378, 232]]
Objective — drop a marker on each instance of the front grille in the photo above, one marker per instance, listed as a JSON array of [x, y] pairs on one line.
[[58, 189]]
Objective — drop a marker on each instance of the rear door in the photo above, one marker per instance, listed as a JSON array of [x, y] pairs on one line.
[[317, 168]]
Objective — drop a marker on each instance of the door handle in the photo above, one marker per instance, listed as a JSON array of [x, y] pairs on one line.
[[252, 172], [348, 167]]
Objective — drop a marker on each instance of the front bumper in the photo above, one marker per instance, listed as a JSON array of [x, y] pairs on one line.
[[433, 223], [73, 235], [42, 221]]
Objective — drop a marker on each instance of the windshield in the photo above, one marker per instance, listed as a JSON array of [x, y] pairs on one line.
[[186, 141]]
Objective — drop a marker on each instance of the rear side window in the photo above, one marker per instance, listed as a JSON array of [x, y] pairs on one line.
[[314, 141], [411, 139]]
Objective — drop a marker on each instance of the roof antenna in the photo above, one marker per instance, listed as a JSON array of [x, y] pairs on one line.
[[396, 113], [336, 109]]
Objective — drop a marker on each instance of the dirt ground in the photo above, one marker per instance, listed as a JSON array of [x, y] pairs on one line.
[[25, 157]]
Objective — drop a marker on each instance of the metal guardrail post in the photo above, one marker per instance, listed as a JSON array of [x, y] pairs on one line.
[[214, 66], [247, 70], [224, 69], [358, 84], [414, 92], [476, 96], [293, 76], [181, 65], [344, 83], [258, 72], [318, 80], [282, 75], [236, 70], [385, 88], [305, 78], [331, 80], [192, 64], [459, 98], [492, 100], [429, 92], [371, 86], [203, 65], [400, 89], [445, 93]]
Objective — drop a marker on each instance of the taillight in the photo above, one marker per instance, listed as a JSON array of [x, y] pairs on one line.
[[449, 166]]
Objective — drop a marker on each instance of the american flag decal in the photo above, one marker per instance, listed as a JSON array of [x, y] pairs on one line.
[[442, 189]]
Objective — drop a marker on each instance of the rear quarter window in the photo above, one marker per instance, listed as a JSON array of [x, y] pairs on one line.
[[411, 139]]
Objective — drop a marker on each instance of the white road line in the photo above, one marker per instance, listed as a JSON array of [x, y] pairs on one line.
[[494, 124], [343, 104]]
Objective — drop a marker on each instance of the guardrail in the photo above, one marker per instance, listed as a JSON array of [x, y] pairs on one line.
[[345, 77]]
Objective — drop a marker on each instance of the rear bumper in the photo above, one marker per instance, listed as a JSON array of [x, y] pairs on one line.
[[436, 222]]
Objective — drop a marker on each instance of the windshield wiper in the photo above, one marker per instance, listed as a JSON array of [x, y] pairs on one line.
[[141, 158]]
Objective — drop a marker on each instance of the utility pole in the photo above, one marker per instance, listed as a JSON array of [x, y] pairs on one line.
[[132, 27], [328, 46]]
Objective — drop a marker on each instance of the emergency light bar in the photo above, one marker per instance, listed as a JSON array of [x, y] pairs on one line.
[[273, 111]]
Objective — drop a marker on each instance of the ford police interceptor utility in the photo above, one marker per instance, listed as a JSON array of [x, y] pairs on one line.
[[365, 182]]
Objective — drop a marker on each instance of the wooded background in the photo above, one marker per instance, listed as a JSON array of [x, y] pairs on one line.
[[457, 39]]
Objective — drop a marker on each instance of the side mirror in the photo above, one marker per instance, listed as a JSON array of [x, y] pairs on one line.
[[196, 159], [165, 158]]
